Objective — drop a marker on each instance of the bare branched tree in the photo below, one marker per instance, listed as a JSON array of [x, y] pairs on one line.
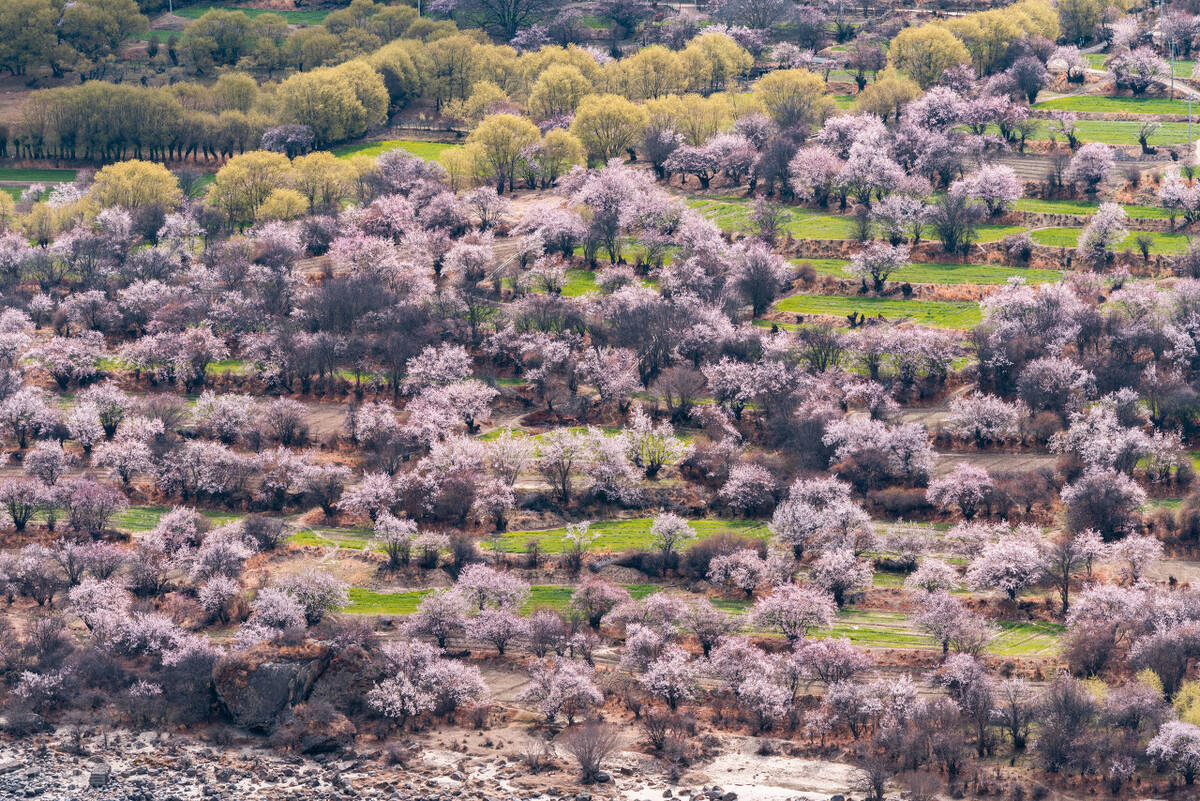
[[591, 744]]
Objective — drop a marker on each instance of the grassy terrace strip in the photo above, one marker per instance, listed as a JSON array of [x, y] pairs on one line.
[[937, 313], [620, 535], [1096, 104], [430, 151], [1113, 132], [865, 628], [1182, 67], [139, 519], [868, 628], [355, 539], [33, 175], [1087, 207], [364, 601], [313, 17], [1069, 238], [930, 273], [732, 213], [579, 282]]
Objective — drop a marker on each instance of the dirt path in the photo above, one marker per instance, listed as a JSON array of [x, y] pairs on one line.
[[742, 770], [993, 461]]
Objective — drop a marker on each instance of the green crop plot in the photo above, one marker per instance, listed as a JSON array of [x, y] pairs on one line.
[[1086, 207], [313, 17], [352, 538], [579, 282], [1069, 238], [620, 535], [138, 519], [938, 313], [1115, 105], [430, 151], [1026, 639], [33, 176], [733, 213], [1113, 132], [822, 227], [989, 232], [930, 273], [369, 602], [1182, 68], [868, 628], [230, 366], [874, 629]]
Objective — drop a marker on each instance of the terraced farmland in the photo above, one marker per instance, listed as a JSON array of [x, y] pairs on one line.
[[430, 151], [932, 273], [940, 314], [621, 535]]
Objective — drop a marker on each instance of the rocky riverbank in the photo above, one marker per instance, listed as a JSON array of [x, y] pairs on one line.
[[159, 766]]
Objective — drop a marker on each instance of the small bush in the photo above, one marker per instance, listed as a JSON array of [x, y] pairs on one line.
[[900, 502], [591, 744], [695, 561], [268, 533]]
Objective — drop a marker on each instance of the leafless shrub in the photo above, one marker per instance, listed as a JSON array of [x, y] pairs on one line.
[[591, 744], [921, 786], [663, 727], [538, 755]]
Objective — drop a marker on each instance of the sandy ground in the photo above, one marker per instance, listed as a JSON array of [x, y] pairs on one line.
[[773, 778]]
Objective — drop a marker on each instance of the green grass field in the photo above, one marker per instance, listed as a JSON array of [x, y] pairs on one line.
[[874, 629], [938, 313], [866, 628], [33, 176], [368, 602], [1115, 132], [620, 535], [138, 519], [732, 213], [430, 151], [230, 366], [928, 273], [1086, 207], [1119, 105], [355, 539], [1182, 67], [579, 282], [1069, 238], [313, 17]]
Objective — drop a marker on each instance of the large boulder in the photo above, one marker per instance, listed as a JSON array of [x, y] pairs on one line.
[[255, 686], [345, 683]]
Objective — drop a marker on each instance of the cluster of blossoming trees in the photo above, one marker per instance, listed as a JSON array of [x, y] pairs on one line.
[[148, 355]]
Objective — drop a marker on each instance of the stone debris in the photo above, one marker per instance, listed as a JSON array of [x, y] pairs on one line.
[[156, 766], [99, 775]]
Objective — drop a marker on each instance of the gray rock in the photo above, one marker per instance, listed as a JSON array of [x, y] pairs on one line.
[[99, 775], [254, 693]]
